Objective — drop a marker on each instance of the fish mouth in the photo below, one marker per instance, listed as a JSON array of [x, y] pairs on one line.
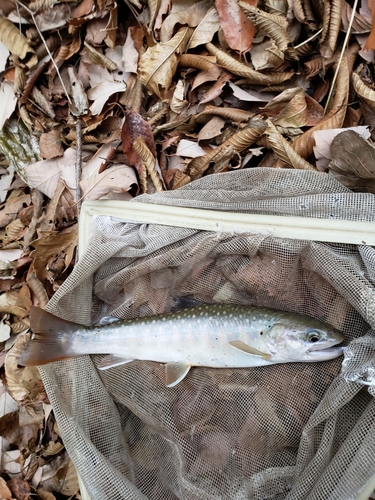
[[320, 352]]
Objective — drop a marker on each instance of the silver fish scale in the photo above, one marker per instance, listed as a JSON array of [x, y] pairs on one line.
[[199, 336]]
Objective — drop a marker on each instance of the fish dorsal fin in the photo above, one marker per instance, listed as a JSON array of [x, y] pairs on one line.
[[111, 361], [241, 346], [175, 372]]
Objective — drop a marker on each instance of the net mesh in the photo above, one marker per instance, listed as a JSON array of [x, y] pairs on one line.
[[288, 431]]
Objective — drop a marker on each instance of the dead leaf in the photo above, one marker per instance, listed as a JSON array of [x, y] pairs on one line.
[[159, 63], [24, 384], [116, 179], [237, 28], [370, 44], [216, 89], [191, 15], [284, 150], [135, 126], [20, 488], [13, 39], [45, 174], [323, 140], [50, 246], [60, 475], [12, 208], [351, 154], [50, 145], [130, 54], [212, 129], [205, 30], [8, 102], [101, 93], [189, 149], [5, 493]]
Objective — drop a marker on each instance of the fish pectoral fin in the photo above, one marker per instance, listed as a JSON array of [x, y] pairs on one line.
[[111, 361], [175, 372], [241, 346]]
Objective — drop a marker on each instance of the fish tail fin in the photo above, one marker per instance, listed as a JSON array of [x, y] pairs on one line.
[[51, 339]]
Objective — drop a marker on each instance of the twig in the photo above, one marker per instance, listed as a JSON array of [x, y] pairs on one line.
[[309, 39], [78, 160], [46, 46], [37, 199], [341, 55]]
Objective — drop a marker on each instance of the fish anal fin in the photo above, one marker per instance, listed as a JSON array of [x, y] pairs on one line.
[[111, 361], [241, 346], [175, 372]]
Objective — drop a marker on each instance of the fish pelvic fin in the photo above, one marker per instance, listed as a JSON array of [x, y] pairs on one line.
[[241, 346], [50, 340], [175, 372], [111, 361]]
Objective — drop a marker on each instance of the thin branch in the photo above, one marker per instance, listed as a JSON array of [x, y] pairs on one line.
[[46, 46], [309, 39], [341, 55]]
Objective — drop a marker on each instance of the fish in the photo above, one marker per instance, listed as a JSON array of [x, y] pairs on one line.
[[217, 336]]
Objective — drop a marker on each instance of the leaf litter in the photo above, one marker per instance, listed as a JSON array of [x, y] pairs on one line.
[[109, 100]]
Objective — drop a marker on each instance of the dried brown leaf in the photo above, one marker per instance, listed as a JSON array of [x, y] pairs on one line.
[[335, 118], [117, 179], [328, 46], [364, 92], [5, 493], [370, 44], [13, 39], [234, 114], [50, 145], [23, 383], [20, 488], [229, 63], [351, 154], [149, 161], [284, 149], [237, 28], [236, 143], [135, 126], [360, 24], [159, 63], [273, 25], [12, 207], [192, 15], [49, 246], [295, 112], [205, 30], [97, 57]]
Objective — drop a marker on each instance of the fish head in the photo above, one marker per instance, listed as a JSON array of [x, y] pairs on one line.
[[298, 338]]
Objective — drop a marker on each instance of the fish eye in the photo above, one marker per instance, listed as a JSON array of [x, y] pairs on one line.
[[313, 337]]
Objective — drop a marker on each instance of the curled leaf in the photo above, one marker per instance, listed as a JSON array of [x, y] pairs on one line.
[[284, 149], [229, 63], [158, 64], [97, 57], [149, 162], [335, 118], [274, 25], [364, 92], [237, 143], [328, 46], [13, 39]]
